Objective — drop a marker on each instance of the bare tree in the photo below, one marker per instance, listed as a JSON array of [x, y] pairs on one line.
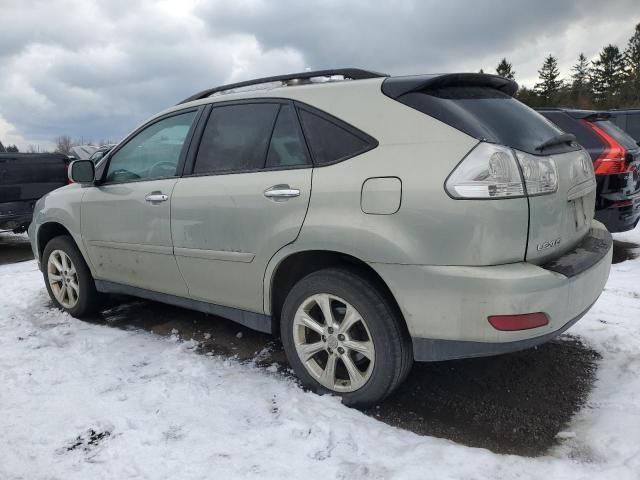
[[63, 144]]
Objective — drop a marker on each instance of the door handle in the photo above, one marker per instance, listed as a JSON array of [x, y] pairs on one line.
[[156, 197], [281, 192]]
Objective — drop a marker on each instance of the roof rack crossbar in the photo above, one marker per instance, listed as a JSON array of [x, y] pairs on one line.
[[352, 73]]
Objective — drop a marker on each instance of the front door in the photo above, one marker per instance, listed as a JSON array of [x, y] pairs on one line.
[[126, 217], [246, 198]]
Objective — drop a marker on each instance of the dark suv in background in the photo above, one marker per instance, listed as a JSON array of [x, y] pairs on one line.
[[616, 158], [628, 120]]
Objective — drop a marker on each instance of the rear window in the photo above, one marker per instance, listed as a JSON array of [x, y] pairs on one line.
[[618, 134], [585, 135], [487, 114]]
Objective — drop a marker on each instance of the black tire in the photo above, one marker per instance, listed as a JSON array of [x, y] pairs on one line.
[[393, 348], [89, 299]]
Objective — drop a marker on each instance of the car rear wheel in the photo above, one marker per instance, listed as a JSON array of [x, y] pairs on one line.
[[68, 279], [342, 336]]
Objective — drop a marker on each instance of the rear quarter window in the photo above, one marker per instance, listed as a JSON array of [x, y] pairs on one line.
[[331, 140], [486, 114]]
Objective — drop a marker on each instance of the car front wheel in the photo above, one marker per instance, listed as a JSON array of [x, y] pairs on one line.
[[67, 277]]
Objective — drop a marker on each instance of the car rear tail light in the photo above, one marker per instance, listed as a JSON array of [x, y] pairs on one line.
[[523, 321], [612, 159], [495, 171], [540, 175], [621, 203]]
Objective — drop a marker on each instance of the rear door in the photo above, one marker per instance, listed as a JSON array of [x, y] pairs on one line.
[[244, 198]]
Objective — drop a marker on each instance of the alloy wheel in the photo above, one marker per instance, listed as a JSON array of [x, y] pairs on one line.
[[63, 279], [333, 343]]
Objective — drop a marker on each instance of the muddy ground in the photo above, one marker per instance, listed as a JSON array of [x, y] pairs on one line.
[[514, 403]]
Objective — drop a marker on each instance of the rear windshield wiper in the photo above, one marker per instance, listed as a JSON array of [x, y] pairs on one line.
[[567, 138]]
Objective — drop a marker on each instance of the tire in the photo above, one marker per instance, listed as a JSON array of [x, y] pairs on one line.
[[343, 291], [87, 299]]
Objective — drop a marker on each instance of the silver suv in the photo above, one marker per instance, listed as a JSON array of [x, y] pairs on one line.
[[368, 220]]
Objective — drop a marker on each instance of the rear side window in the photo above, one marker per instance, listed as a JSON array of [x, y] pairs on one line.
[[331, 142], [633, 125], [486, 114], [287, 148], [236, 138]]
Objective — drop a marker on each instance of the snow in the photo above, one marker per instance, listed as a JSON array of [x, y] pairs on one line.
[[82, 400]]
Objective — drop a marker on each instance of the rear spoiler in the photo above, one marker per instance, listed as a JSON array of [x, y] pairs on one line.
[[591, 115], [395, 87], [594, 116]]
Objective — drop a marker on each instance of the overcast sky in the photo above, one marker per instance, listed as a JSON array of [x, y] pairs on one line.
[[97, 68]]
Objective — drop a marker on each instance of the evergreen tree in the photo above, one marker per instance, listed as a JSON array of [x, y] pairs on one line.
[[580, 93], [550, 82], [481, 70], [2, 150], [504, 69], [631, 89], [12, 149], [529, 97], [632, 55], [607, 76], [581, 72]]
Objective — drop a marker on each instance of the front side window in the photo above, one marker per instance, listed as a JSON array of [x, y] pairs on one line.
[[152, 153], [236, 138]]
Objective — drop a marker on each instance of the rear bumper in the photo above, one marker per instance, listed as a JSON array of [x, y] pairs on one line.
[[15, 215], [614, 190], [447, 307], [620, 219]]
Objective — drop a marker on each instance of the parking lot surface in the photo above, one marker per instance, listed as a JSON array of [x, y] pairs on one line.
[[515, 403]]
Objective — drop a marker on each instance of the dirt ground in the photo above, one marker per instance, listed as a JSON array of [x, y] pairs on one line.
[[514, 403]]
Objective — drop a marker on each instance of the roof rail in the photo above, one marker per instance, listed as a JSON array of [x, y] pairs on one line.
[[352, 73]]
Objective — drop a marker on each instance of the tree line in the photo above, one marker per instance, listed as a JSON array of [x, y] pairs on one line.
[[612, 80], [62, 144]]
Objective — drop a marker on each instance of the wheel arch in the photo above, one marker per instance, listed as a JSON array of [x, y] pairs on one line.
[[51, 229], [292, 267]]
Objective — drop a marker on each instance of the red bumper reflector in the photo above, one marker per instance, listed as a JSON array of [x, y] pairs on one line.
[[523, 321]]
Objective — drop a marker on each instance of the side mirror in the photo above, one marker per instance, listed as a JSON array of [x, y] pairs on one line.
[[82, 172]]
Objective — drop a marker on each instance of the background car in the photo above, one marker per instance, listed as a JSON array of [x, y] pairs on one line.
[[24, 178], [628, 120], [82, 152], [616, 158], [101, 152]]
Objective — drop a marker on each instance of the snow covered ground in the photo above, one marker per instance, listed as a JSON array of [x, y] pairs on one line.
[[80, 400]]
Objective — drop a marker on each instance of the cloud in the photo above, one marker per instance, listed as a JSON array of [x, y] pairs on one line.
[[97, 69], [101, 84]]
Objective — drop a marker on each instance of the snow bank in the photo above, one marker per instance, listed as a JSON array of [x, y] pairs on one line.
[[80, 400]]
